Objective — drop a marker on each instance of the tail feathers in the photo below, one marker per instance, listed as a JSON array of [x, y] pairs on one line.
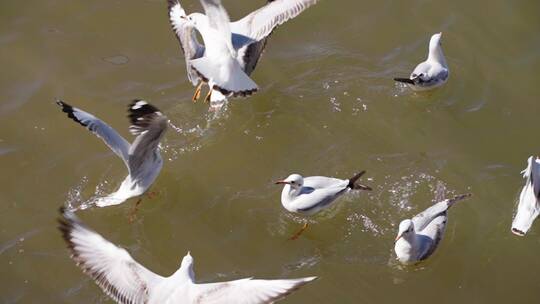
[[405, 80], [229, 79], [457, 198], [353, 185]]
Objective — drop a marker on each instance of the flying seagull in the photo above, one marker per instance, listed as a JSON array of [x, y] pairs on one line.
[[431, 73], [309, 195], [528, 207], [126, 281], [231, 50], [418, 237], [141, 157]]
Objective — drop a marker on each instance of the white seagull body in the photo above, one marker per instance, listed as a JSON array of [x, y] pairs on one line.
[[528, 207], [418, 237], [126, 281], [231, 50], [312, 194], [431, 73], [141, 158]]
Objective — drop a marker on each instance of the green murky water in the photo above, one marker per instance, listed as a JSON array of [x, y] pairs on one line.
[[327, 106]]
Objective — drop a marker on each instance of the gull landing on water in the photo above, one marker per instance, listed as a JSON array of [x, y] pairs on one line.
[[126, 281], [141, 157], [418, 237], [431, 73], [231, 50], [312, 194], [529, 206]]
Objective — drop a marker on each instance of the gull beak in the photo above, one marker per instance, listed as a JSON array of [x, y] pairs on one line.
[[183, 17], [398, 237], [279, 182]]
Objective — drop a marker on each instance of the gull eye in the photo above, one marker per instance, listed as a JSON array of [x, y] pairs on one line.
[[292, 182]]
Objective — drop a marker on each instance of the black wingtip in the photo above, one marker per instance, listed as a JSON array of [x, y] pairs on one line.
[[172, 3], [404, 80], [68, 109], [352, 182]]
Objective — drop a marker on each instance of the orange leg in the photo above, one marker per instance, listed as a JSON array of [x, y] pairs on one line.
[[297, 234], [197, 93], [207, 99]]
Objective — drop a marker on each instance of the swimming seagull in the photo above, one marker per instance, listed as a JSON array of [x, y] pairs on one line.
[[141, 157], [231, 50], [312, 194], [431, 73], [418, 237], [528, 207], [126, 281]]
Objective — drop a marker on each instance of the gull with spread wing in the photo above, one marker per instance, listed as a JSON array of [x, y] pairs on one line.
[[528, 206], [431, 73], [418, 237], [231, 50], [126, 281], [309, 195], [141, 157]]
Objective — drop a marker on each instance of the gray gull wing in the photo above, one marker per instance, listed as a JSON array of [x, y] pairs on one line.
[[111, 267], [149, 124], [425, 217], [247, 291], [260, 23], [189, 43], [102, 130]]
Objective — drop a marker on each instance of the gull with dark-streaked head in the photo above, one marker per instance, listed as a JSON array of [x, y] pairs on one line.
[[529, 206], [231, 50], [141, 157], [309, 195], [418, 237], [431, 73], [126, 281]]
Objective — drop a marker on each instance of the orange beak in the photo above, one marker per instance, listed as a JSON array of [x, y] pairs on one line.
[[398, 237], [279, 182]]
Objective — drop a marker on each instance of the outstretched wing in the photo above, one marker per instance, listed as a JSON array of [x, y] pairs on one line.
[[260, 23], [111, 267], [149, 124], [218, 19], [247, 291], [186, 36], [102, 130]]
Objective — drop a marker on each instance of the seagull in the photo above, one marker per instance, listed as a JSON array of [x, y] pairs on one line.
[[126, 281], [528, 207], [312, 194], [431, 73], [231, 50], [141, 157], [418, 237]]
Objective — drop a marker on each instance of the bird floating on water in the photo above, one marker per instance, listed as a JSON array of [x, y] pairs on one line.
[[418, 237], [309, 195], [126, 281], [231, 50], [431, 73], [141, 157], [528, 207]]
